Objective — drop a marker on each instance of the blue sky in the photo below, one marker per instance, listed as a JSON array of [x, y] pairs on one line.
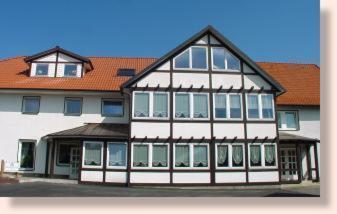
[[266, 30]]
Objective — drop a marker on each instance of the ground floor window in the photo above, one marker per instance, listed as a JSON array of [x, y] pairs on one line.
[[191, 155], [150, 155], [229, 155], [116, 155], [262, 155], [93, 154], [63, 153], [27, 155]]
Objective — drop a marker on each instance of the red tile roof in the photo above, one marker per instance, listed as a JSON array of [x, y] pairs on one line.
[[300, 80]]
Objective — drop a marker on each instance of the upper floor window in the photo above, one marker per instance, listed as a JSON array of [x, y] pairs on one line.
[[30, 105], [112, 108], [183, 108], [260, 106], [222, 59], [73, 106], [70, 70], [150, 105], [288, 120], [42, 69], [227, 106], [193, 58]]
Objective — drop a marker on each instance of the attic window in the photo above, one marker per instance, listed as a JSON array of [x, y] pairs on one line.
[[126, 72]]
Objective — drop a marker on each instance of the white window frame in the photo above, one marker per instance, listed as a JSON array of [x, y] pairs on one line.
[[259, 96], [191, 156], [108, 152], [262, 149], [227, 107], [284, 122], [64, 69], [83, 158], [189, 49], [191, 99], [228, 70], [41, 63], [150, 154], [21, 141], [151, 105], [230, 155]]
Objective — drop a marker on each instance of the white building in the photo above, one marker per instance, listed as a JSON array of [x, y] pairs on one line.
[[203, 114]]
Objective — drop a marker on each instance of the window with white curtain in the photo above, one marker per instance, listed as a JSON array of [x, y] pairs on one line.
[[227, 106], [262, 155], [117, 155], [288, 120], [260, 106], [192, 155], [150, 105], [93, 154], [194, 57], [150, 155], [198, 110], [229, 155], [222, 59]]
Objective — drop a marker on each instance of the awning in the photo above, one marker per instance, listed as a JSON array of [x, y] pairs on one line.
[[286, 138], [93, 131]]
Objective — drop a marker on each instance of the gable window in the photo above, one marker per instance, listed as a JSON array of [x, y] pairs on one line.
[[198, 110], [112, 108], [192, 58], [227, 106], [42, 69], [288, 120], [222, 59], [30, 105], [192, 155], [260, 106], [262, 155], [230, 155], [73, 106], [70, 70], [26, 155], [93, 154], [116, 155], [150, 105]]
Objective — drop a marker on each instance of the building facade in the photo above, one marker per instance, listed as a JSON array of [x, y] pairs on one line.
[[203, 114]]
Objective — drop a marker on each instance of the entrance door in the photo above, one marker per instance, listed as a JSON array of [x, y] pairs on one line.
[[74, 162], [289, 164]]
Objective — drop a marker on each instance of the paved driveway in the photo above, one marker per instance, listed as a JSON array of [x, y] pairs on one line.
[[43, 189]]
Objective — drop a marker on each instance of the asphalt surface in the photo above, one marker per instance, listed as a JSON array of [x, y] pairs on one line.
[[41, 189]]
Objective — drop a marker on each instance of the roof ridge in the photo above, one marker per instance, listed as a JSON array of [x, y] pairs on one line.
[[10, 58], [295, 63], [122, 57]]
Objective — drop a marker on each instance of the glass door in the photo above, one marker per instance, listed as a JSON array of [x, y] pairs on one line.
[[289, 164], [74, 162]]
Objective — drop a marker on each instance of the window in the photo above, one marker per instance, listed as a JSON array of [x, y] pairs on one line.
[[41, 69], [31, 105], [160, 105], [140, 155], [141, 104], [222, 59], [27, 155], [159, 156], [63, 153], [150, 155], [229, 155], [73, 106], [116, 155], [93, 154], [227, 106], [288, 120], [198, 109], [126, 72], [260, 106], [191, 156], [192, 58], [70, 70], [112, 108], [262, 155]]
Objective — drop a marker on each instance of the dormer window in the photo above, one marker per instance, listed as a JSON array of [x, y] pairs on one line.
[[42, 69], [70, 70]]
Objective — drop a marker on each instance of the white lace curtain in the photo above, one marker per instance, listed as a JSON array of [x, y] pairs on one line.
[[222, 155], [220, 105], [117, 154], [255, 154], [92, 155], [160, 105], [140, 155], [141, 106], [269, 153], [182, 156], [237, 154], [200, 156], [182, 104], [159, 157], [200, 106]]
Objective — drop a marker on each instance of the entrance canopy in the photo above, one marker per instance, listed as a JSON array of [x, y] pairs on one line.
[[93, 131], [292, 138]]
